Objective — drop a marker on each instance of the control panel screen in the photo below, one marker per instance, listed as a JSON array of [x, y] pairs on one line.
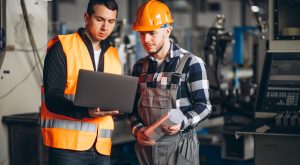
[[286, 20], [285, 71], [280, 90]]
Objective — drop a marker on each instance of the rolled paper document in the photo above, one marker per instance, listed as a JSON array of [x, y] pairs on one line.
[[173, 117]]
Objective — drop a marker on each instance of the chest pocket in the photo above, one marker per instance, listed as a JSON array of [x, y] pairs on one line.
[[156, 102]]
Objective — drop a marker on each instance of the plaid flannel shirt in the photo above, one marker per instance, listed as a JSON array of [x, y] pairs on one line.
[[192, 94]]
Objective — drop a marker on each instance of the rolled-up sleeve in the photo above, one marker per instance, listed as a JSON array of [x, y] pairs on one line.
[[198, 87]]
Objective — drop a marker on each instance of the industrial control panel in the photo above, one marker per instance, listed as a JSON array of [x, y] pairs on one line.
[[283, 86], [279, 92]]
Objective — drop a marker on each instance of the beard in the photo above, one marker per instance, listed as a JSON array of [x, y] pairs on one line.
[[157, 50]]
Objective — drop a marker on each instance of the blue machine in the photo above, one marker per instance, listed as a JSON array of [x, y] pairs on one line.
[[238, 35]]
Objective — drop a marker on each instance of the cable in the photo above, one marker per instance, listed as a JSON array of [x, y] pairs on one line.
[[38, 59], [2, 55], [25, 78], [30, 35], [19, 83], [28, 50]]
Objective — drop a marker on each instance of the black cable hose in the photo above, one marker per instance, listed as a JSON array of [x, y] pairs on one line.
[[37, 57]]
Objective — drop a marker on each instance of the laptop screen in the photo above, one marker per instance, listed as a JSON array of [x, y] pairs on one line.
[[105, 90]]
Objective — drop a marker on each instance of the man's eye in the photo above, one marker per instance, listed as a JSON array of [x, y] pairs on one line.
[[152, 33]]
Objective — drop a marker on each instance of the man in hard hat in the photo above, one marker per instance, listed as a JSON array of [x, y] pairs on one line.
[[79, 135], [169, 78]]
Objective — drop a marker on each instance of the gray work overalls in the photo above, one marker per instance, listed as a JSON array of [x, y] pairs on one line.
[[178, 149]]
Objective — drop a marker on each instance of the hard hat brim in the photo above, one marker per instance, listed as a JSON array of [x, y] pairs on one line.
[[148, 28], [145, 28]]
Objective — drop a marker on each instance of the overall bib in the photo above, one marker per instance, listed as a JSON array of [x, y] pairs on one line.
[[179, 149]]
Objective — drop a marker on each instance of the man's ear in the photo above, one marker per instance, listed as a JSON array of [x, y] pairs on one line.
[[168, 30], [86, 17]]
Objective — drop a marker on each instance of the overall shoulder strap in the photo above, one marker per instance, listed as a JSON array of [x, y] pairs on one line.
[[182, 62], [145, 65]]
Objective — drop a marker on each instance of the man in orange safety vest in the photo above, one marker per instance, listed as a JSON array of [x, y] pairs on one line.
[[79, 135]]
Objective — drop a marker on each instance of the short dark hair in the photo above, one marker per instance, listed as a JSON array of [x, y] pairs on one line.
[[110, 4]]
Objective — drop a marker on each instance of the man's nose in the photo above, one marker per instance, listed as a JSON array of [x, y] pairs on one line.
[[104, 26], [147, 37]]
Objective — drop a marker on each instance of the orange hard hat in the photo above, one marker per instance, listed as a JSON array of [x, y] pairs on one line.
[[152, 15]]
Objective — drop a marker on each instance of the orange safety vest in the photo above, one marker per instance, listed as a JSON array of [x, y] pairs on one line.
[[63, 132]]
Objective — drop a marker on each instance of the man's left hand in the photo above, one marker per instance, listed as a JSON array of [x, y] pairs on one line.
[[96, 112], [171, 130]]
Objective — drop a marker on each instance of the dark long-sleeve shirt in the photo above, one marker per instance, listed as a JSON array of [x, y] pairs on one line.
[[55, 78], [192, 94]]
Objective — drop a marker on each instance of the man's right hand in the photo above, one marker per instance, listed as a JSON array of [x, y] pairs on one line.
[[96, 112], [143, 139]]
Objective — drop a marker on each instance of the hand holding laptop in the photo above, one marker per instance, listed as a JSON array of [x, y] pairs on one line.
[[96, 112]]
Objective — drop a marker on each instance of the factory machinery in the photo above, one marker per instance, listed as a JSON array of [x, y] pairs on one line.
[[261, 110], [276, 124], [261, 115]]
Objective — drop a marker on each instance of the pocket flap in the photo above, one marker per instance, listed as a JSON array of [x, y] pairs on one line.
[[155, 102]]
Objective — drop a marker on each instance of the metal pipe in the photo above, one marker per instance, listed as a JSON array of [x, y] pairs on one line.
[[2, 13], [2, 27]]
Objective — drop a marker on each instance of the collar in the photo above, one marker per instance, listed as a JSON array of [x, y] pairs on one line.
[[104, 44], [173, 52]]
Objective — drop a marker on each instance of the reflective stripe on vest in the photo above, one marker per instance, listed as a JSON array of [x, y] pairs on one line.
[[69, 97], [74, 125], [67, 124], [67, 133], [105, 133]]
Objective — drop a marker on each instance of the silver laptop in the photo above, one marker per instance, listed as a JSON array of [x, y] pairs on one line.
[[105, 90]]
